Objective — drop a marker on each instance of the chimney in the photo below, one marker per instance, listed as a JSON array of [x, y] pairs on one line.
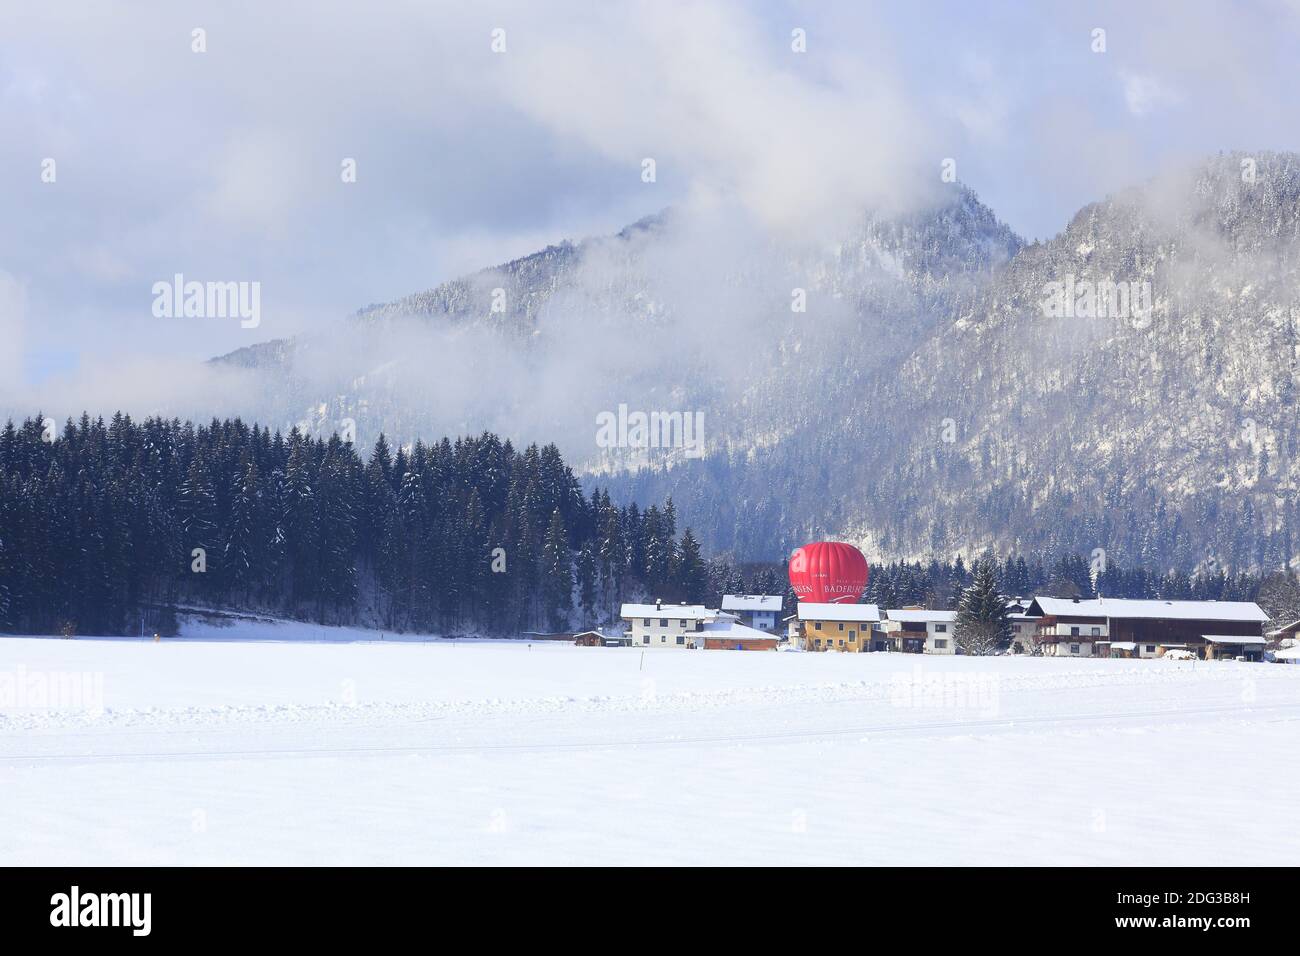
[[659, 604]]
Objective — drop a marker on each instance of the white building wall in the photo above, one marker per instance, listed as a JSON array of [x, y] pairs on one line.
[[1062, 648], [1087, 632], [678, 633], [939, 641]]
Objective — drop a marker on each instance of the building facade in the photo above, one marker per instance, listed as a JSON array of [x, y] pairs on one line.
[[665, 626], [731, 635], [836, 627], [917, 630], [762, 612], [1122, 627]]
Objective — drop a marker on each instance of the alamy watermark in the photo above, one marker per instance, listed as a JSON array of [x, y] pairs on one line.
[[646, 430], [208, 300], [946, 691], [23, 689], [1098, 299]]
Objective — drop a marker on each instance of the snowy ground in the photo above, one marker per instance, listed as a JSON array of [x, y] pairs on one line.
[[259, 752]]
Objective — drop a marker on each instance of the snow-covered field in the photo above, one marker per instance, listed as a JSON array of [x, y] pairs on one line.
[[209, 750]]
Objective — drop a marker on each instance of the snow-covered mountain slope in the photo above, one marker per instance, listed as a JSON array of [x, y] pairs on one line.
[[1162, 437], [686, 312], [906, 386], [1165, 433]]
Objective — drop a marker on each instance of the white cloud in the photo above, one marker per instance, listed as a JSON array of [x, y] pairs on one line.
[[1144, 93], [225, 165], [12, 307]]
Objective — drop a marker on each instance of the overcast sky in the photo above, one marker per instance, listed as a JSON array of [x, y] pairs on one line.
[[225, 165]]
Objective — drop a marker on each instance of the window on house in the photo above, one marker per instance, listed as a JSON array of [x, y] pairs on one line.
[[646, 622], [841, 627], [681, 638], [817, 625], [683, 623], [646, 639], [1151, 648], [1096, 632], [663, 622], [853, 637], [940, 643], [1074, 632], [1074, 648], [941, 629]]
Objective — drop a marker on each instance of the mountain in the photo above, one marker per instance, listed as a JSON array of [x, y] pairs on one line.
[[936, 394]]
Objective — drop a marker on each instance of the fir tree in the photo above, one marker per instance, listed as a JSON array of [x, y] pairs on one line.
[[982, 624], [556, 574]]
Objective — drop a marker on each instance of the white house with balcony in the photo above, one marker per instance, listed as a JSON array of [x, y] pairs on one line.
[[921, 631], [1132, 627]]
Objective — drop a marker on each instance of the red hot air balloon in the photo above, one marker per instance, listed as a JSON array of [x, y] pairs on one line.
[[828, 572]]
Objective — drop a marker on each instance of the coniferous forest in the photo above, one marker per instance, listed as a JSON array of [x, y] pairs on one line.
[[112, 528], [105, 525]]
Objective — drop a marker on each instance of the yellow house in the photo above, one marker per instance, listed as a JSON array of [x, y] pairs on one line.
[[835, 627]]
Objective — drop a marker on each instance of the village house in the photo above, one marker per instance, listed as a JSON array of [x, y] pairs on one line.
[[835, 627], [590, 639], [916, 630], [1284, 643], [1024, 629], [725, 634], [1123, 627], [758, 611], [661, 625], [1284, 635]]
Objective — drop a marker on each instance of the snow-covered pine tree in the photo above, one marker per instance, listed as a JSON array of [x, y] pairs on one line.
[[691, 578], [982, 625]]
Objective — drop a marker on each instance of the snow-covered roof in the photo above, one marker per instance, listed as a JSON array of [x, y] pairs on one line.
[[733, 630], [1293, 626], [809, 611], [1288, 653], [1173, 610], [751, 602], [922, 617], [1231, 639], [1120, 645], [689, 612]]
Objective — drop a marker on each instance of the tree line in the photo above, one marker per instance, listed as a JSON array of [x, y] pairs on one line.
[[108, 528]]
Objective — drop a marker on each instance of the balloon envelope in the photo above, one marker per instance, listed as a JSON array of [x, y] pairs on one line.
[[828, 572]]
